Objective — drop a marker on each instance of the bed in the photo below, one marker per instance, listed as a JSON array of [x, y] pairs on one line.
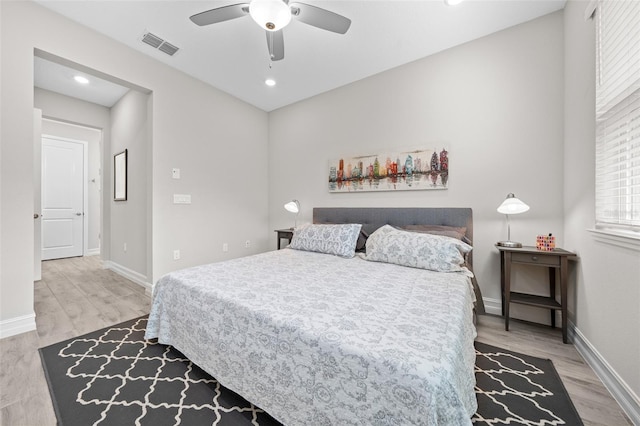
[[321, 339]]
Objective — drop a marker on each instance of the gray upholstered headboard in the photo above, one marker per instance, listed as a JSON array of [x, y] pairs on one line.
[[373, 218]]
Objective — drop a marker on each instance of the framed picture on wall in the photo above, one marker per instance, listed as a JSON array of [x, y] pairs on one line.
[[391, 171], [120, 176]]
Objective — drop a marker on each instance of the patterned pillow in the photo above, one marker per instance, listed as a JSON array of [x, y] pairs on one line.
[[362, 239], [417, 250], [331, 239]]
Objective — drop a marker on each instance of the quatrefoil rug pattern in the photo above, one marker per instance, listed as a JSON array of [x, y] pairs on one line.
[[116, 377], [518, 389]]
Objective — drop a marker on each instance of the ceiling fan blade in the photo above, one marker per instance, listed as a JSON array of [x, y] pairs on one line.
[[320, 18], [275, 42], [220, 14]]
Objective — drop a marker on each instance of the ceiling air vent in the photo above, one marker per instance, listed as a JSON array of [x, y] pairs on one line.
[[168, 48], [158, 43], [152, 40]]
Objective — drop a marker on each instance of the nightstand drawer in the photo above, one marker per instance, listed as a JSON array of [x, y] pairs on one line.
[[536, 259]]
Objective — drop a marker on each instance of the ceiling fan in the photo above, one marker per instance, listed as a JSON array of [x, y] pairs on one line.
[[273, 16]]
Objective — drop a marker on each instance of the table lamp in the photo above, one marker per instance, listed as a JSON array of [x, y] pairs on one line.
[[293, 206], [511, 205]]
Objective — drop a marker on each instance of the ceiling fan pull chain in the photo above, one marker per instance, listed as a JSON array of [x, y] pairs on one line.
[[271, 53]]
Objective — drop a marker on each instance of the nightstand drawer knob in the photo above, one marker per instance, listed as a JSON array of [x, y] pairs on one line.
[[534, 258]]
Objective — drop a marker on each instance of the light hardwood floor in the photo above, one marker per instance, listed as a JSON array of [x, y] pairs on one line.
[[77, 296]]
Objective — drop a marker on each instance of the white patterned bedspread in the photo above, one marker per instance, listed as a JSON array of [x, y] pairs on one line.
[[316, 339]]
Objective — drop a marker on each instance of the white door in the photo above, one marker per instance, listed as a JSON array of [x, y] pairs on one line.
[[62, 198]]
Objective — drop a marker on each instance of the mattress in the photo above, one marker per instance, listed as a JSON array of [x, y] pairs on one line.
[[318, 339]]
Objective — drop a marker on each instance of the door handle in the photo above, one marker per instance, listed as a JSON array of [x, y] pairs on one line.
[[78, 214], [36, 215]]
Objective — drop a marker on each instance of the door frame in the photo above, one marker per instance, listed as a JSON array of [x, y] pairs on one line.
[[85, 185], [37, 196]]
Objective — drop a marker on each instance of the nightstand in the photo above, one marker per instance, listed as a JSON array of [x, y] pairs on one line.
[[555, 260], [286, 234]]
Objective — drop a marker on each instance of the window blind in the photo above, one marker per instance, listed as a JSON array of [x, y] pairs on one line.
[[618, 52], [618, 115]]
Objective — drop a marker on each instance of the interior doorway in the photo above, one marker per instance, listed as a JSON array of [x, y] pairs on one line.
[[120, 113]]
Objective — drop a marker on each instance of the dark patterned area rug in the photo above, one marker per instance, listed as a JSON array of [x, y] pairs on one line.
[[115, 377], [518, 389]]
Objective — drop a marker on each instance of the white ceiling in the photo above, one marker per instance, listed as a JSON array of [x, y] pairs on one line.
[[59, 78], [233, 56]]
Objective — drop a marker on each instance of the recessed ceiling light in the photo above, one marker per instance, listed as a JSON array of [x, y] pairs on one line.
[[452, 2], [80, 79], [270, 82]]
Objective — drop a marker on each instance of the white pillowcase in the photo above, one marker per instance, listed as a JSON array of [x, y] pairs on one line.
[[331, 239], [417, 250]]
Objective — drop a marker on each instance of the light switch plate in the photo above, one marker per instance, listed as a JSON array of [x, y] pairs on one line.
[[175, 173], [181, 198]]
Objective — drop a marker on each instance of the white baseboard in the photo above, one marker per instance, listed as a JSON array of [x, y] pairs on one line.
[[93, 252], [134, 276], [621, 392], [492, 306], [17, 325]]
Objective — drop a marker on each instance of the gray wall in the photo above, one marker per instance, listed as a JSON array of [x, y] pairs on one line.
[[607, 291], [130, 130], [494, 103]]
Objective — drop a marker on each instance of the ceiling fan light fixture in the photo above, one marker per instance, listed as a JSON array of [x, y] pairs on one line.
[[272, 15]]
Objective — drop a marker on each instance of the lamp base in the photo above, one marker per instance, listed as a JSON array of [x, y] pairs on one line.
[[510, 244]]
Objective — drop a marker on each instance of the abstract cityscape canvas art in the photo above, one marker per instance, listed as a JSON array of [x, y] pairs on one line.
[[422, 169]]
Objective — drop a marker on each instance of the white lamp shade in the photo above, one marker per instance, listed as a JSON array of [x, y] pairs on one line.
[[292, 206], [512, 205], [272, 15]]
